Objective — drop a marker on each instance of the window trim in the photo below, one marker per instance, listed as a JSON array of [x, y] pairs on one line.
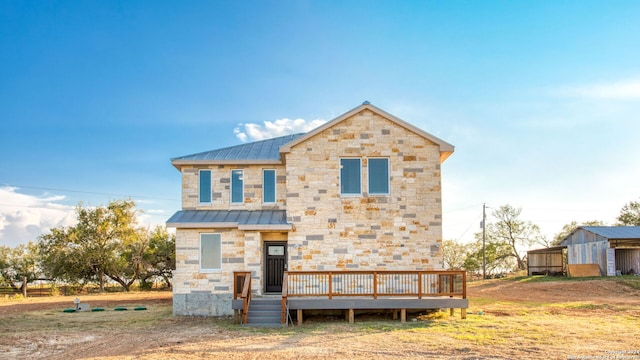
[[232, 187], [209, 270], [275, 187], [200, 187], [369, 177], [359, 176]]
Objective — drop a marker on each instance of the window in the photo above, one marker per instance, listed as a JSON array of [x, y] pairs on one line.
[[378, 176], [350, 177], [205, 187], [210, 252], [268, 186], [237, 187]]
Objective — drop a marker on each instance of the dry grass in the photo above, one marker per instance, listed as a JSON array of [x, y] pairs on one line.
[[547, 323]]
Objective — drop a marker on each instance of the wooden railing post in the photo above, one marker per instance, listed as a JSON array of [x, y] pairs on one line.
[[419, 284], [375, 284], [285, 291], [330, 285]]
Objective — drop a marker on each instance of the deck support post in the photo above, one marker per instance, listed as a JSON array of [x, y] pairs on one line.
[[236, 316], [451, 312], [463, 313], [351, 315], [395, 314], [299, 316], [403, 315]]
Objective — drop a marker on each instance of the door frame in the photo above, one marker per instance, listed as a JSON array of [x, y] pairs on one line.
[[265, 268]]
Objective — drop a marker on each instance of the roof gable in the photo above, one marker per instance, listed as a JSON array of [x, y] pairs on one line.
[[446, 149]]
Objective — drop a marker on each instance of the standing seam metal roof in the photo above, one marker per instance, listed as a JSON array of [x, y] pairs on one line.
[[259, 150], [615, 232], [235, 217]]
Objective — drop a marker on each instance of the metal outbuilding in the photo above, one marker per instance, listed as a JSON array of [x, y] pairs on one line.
[[547, 261], [616, 249]]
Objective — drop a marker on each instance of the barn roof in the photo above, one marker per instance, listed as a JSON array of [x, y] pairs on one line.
[[614, 232]]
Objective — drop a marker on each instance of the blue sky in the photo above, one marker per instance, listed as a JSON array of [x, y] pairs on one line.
[[540, 98]]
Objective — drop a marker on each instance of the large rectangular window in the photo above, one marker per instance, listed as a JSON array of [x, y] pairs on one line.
[[204, 189], [268, 186], [378, 170], [237, 187], [350, 179], [210, 252]]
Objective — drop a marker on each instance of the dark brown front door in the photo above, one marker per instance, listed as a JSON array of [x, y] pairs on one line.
[[275, 265]]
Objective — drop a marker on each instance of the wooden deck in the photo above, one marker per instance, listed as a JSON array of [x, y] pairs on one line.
[[397, 291]]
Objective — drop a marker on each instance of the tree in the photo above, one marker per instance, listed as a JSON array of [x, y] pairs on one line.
[[509, 234], [568, 228], [160, 256], [498, 257], [454, 254], [630, 214], [19, 264], [104, 243]]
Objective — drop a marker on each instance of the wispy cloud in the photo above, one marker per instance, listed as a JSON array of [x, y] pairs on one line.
[[271, 129], [25, 217], [621, 90]]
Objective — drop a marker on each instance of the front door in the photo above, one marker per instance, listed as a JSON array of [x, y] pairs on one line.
[[275, 265]]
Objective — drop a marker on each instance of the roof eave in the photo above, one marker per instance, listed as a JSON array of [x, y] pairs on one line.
[[202, 225], [178, 164]]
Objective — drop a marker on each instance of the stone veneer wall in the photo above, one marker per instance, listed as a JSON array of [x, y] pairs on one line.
[[402, 231], [221, 187]]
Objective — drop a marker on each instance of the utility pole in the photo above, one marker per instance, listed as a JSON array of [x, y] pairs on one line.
[[484, 232]]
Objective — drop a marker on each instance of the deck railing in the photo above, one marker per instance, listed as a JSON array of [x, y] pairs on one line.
[[242, 289], [373, 284]]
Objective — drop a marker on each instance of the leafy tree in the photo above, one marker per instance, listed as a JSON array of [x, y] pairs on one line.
[[160, 256], [630, 214], [568, 228], [18, 264], [104, 243], [509, 234], [498, 257], [454, 254]]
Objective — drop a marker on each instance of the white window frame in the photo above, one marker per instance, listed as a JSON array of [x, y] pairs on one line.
[[275, 187], [231, 187], [359, 175], [210, 187], [388, 177], [200, 255]]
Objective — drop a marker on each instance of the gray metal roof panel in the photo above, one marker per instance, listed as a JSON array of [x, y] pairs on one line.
[[259, 150], [238, 217], [615, 232]]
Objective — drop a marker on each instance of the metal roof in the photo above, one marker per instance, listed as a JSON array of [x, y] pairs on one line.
[[258, 151], [241, 219], [614, 232]]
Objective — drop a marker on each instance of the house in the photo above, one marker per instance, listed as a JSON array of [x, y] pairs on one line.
[[615, 249], [360, 193]]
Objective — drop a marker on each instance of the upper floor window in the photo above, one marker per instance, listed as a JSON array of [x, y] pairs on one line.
[[204, 187], [210, 252], [350, 182], [378, 171], [237, 187], [268, 186]]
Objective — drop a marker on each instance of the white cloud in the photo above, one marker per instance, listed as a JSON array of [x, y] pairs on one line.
[[271, 129], [25, 217], [622, 90]]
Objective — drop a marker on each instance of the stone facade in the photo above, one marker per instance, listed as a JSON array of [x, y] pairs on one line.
[[328, 231], [401, 231]]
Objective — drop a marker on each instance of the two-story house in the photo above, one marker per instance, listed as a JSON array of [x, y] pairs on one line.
[[361, 192]]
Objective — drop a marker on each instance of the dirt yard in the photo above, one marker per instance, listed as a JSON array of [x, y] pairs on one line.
[[507, 319]]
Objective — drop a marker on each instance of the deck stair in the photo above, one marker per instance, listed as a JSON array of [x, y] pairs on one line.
[[265, 312]]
